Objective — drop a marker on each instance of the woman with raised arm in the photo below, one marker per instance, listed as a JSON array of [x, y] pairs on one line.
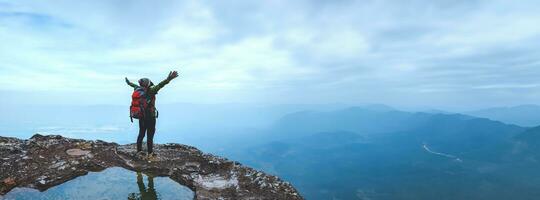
[[143, 108]]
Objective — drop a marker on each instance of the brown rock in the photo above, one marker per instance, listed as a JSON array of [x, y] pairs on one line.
[[77, 152], [9, 181]]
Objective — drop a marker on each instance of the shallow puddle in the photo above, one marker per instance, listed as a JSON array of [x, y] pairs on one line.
[[113, 183]]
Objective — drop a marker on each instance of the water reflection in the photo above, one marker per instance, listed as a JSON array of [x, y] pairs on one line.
[[110, 184], [144, 193]]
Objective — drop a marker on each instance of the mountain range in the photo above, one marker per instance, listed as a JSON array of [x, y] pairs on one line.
[[362, 153]]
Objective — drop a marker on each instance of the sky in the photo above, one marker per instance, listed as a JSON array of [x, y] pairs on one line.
[[440, 54]]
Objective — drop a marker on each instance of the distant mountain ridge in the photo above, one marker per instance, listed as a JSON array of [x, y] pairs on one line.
[[522, 115], [365, 120]]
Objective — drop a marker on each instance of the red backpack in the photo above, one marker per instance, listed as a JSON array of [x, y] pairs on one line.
[[141, 104]]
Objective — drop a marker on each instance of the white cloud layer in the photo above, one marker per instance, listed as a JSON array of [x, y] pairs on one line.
[[414, 53]]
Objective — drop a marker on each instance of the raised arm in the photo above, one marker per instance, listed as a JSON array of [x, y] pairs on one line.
[[172, 75], [131, 84]]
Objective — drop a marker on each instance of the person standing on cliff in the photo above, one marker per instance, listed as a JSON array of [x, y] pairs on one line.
[[148, 114]]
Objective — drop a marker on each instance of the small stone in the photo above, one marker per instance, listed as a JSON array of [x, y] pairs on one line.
[[85, 146], [77, 152], [9, 181]]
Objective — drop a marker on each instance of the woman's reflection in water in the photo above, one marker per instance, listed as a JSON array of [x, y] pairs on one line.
[[144, 194]]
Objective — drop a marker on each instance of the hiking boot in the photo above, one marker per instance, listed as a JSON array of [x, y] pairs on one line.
[[140, 154], [152, 157]]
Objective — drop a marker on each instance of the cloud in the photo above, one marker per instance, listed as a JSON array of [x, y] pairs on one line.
[[277, 51]]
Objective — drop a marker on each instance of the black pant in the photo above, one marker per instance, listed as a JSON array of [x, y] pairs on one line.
[[147, 125]]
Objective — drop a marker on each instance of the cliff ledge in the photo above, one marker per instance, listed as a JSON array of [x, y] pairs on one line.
[[42, 162]]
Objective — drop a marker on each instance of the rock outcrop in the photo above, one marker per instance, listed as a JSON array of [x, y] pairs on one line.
[[42, 162]]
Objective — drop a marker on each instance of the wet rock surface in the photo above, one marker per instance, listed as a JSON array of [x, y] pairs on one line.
[[42, 162]]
